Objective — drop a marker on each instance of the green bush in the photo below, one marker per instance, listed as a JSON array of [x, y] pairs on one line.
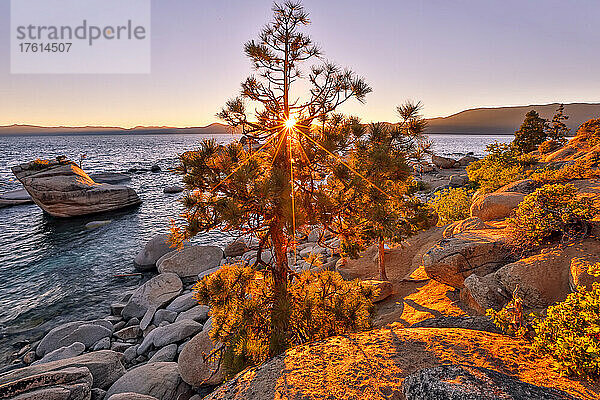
[[451, 205], [571, 332], [511, 320], [500, 167], [322, 304], [552, 211]]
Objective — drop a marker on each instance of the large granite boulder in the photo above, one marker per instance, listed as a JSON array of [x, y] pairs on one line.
[[463, 382], [15, 198], [152, 295], [131, 396], [156, 247], [105, 366], [74, 383], [496, 205], [476, 323], [171, 333], [195, 366], [160, 380], [72, 350], [85, 332], [479, 252], [444, 162], [524, 186], [542, 279], [465, 225], [188, 262], [62, 189]]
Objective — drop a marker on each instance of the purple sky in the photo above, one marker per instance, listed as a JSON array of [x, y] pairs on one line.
[[451, 55]]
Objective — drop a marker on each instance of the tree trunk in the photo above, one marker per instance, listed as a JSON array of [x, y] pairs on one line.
[[280, 314], [381, 263]]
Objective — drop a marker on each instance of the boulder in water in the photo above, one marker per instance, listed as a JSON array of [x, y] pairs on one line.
[[157, 247], [15, 198], [110, 177], [152, 295], [62, 189]]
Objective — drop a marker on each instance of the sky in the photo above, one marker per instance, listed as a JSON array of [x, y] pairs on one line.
[[451, 55]]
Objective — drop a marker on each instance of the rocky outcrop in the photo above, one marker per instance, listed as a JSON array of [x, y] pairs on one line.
[[85, 332], [465, 225], [105, 367], [372, 365], [62, 189], [444, 162], [495, 205], [542, 279], [69, 384], [160, 380], [524, 186], [236, 248], [170, 333], [464, 382], [381, 289], [72, 350], [188, 262], [480, 252], [157, 247], [466, 160], [15, 198], [195, 365], [152, 295], [477, 323]]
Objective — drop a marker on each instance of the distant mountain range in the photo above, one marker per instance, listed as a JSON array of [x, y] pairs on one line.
[[478, 121], [506, 120], [211, 129]]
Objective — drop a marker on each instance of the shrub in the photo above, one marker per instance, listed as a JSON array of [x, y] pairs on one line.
[[500, 167], [582, 168], [548, 146], [551, 211], [589, 130], [571, 332], [451, 205], [511, 320], [321, 304]]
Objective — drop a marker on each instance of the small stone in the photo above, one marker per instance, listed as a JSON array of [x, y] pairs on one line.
[[130, 332], [119, 325], [133, 321], [102, 344], [29, 357], [130, 354], [173, 189], [182, 303], [166, 354], [164, 316], [198, 313]]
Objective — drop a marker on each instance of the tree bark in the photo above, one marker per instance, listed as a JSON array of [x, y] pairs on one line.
[[280, 314], [381, 263]]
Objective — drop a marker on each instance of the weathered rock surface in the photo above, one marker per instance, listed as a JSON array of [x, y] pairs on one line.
[[86, 332], [372, 365], [160, 380], [542, 279], [157, 247], [72, 350], [443, 162], [168, 334], [236, 248], [524, 186], [466, 160], [480, 252], [188, 262], [62, 189], [173, 189], [15, 198], [113, 178], [495, 205], [74, 383], [131, 396], [153, 294], [477, 323], [469, 224], [97, 224], [464, 382], [166, 354], [194, 366], [105, 366], [382, 289], [198, 313], [182, 303]]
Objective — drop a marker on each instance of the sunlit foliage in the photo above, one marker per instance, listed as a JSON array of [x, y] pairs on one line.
[[451, 205], [531, 133], [321, 304], [501, 166], [552, 212]]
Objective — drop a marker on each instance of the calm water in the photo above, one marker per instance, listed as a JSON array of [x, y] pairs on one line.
[[54, 270]]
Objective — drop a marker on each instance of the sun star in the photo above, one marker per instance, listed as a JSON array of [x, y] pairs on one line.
[[290, 122]]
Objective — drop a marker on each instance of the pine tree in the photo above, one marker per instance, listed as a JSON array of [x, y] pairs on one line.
[[531, 134], [299, 164], [558, 130]]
